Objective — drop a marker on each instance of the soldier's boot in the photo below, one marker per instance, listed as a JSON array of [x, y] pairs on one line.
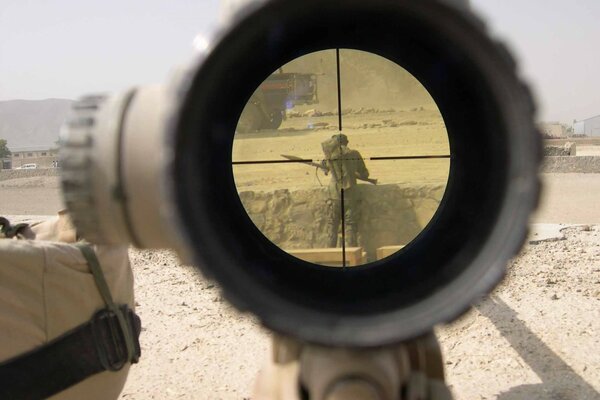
[[351, 236]]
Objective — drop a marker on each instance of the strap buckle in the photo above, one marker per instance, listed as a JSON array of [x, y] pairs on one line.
[[110, 338]]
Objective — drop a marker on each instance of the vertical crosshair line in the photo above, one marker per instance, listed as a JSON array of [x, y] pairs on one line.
[[339, 89], [341, 178], [343, 231]]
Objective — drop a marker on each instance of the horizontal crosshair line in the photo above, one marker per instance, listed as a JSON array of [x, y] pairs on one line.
[[408, 157], [309, 160], [270, 162]]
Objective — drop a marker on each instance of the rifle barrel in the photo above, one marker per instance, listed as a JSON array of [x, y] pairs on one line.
[[314, 164]]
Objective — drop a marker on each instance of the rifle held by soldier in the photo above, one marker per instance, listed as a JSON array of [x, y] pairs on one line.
[[322, 166]]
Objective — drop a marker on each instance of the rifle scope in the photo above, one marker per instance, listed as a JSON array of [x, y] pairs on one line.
[[431, 107]]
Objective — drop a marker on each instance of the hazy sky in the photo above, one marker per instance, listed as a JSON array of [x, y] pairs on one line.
[[66, 48]]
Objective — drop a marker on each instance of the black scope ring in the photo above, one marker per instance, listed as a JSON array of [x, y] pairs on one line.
[[482, 221]]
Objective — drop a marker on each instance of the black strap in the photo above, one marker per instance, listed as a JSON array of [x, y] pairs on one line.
[[96, 346], [94, 264], [105, 343]]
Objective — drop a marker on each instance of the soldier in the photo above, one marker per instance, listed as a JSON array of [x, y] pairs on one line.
[[345, 165]]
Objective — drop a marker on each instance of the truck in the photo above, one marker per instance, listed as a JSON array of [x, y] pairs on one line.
[[281, 91]]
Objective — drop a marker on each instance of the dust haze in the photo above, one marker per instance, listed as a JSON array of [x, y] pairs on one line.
[[367, 81]]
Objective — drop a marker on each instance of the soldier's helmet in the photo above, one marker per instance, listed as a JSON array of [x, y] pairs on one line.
[[341, 138]]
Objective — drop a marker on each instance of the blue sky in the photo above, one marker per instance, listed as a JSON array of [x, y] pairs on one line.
[[66, 48]]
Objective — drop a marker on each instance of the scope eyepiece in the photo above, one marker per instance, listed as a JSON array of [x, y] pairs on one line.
[[216, 136]]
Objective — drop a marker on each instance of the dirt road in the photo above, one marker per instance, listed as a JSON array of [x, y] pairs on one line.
[[569, 198], [30, 196]]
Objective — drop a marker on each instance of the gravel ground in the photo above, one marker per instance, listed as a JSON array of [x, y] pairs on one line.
[[535, 338], [194, 345]]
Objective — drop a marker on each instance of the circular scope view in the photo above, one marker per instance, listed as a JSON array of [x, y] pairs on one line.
[[341, 158]]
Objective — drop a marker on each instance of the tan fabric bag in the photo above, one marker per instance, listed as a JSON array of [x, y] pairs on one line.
[[46, 289]]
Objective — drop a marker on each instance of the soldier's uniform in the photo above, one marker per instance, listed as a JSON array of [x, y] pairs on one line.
[[345, 166]]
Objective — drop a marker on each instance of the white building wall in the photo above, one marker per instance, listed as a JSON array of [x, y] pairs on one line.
[[579, 128], [592, 126]]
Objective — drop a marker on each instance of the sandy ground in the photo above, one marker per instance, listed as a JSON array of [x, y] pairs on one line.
[[537, 337]]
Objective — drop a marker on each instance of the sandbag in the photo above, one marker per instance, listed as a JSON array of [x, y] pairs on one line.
[[46, 289]]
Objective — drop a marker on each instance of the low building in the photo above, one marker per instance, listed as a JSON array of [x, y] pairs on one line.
[[42, 157], [587, 127]]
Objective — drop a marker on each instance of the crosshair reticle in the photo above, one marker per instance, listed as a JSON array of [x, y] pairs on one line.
[[341, 157]]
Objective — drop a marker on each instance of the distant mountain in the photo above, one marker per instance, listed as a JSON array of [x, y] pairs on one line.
[[32, 123]]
